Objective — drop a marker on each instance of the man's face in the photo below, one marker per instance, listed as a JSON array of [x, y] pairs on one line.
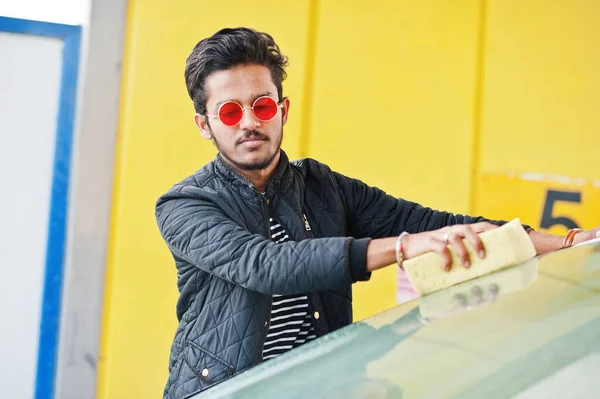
[[251, 144]]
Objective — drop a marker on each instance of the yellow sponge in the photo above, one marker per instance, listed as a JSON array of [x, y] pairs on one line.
[[505, 246]]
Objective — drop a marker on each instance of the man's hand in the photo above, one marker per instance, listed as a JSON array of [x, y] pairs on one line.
[[437, 241], [545, 243], [587, 235]]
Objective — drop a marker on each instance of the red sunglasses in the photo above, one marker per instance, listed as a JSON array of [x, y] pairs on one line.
[[230, 113]]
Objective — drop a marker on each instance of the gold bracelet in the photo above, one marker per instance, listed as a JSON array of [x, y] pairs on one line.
[[568, 241]]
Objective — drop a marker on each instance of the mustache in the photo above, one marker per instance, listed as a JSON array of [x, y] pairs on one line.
[[252, 135]]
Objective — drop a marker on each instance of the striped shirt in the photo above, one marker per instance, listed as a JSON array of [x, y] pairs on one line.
[[291, 324]]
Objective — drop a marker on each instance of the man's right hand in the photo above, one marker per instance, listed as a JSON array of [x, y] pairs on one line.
[[437, 240]]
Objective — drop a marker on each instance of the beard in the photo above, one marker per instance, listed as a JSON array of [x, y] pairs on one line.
[[256, 165]]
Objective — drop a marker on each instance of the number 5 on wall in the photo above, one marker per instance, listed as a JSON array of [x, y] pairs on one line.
[[553, 196]]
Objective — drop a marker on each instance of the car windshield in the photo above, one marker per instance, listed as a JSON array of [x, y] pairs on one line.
[[530, 331]]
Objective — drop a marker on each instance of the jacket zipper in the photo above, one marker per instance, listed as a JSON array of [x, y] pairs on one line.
[[306, 224], [268, 235]]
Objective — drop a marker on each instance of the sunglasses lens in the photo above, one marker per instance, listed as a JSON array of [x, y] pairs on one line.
[[230, 113], [265, 108]]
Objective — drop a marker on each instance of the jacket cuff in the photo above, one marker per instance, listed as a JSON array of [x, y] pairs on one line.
[[357, 259]]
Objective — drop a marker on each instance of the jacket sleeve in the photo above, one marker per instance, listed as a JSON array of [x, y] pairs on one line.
[[197, 230], [370, 212]]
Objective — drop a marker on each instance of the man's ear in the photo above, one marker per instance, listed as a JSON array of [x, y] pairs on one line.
[[202, 123], [285, 109]]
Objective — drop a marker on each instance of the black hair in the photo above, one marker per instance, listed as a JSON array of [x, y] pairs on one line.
[[227, 49]]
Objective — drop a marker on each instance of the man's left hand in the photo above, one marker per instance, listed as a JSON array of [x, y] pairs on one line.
[[587, 235]]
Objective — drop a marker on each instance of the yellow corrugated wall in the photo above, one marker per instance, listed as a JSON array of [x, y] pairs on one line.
[[472, 105]]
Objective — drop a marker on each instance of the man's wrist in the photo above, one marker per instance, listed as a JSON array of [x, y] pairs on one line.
[[544, 242]]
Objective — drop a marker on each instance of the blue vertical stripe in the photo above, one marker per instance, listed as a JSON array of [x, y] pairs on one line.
[[57, 225]]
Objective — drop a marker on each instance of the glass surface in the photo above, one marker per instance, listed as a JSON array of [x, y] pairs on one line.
[[530, 331]]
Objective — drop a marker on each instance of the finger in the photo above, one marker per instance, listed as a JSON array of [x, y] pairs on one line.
[[475, 241], [444, 252], [458, 245]]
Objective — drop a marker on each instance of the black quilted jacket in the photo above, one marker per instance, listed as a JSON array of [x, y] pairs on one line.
[[216, 224]]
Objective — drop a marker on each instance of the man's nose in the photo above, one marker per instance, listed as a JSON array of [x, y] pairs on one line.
[[249, 120]]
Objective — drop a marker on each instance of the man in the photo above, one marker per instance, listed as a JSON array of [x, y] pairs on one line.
[[266, 250]]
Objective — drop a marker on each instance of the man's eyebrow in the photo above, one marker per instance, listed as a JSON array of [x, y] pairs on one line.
[[254, 97]]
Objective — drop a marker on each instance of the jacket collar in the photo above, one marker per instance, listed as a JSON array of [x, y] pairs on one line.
[[275, 180]]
